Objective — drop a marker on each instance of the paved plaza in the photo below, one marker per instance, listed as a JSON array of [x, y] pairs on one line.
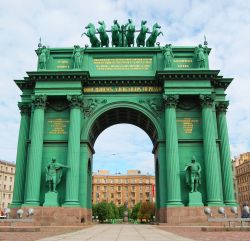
[[127, 232]]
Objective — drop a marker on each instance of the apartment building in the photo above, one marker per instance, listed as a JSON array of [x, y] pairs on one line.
[[7, 176], [129, 188]]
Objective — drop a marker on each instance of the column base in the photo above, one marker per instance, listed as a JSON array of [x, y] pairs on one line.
[[31, 204], [231, 203], [214, 204], [71, 204], [174, 204], [16, 205]]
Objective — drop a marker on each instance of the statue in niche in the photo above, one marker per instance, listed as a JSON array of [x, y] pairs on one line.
[[103, 34], [116, 29], [154, 34], [54, 174], [140, 40], [77, 57], [200, 53], [168, 56], [91, 32], [43, 55], [130, 33], [193, 174]]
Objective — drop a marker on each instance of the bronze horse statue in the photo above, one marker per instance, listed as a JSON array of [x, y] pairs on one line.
[[103, 34], [140, 40], [91, 34], [152, 38]]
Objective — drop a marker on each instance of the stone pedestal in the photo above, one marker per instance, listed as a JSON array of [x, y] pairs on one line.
[[195, 199], [51, 199]]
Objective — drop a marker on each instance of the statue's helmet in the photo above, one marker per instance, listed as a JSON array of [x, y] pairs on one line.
[[53, 159], [193, 158]]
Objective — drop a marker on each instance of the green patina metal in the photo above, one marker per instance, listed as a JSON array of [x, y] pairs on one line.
[[168, 91]]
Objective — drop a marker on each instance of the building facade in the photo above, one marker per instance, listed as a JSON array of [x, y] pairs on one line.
[[242, 171], [7, 176], [120, 188]]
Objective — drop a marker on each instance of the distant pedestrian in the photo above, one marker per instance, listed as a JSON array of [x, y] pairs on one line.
[[245, 211]]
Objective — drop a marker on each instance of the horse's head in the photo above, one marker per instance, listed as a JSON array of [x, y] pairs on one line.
[[90, 26], [143, 22], [101, 22], [156, 25]]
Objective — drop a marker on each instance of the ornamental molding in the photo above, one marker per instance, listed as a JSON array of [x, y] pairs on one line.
[[24, 108], [90, 105], [39, 101], [171, 101], [75, 101], [221, 107], [206, 100], [155, 104]]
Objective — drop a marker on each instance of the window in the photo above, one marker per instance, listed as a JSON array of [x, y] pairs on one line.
[[6, 169], [5, 178], [97, 188], [119, 188], [112, 195], [140, 180], [10, 187], [9, 196], [11, 170], [105, 188], [11, 179], [140, 187]]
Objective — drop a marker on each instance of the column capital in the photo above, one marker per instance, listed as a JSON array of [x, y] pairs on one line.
[[39, 101], [75, 101], [222, 106], [24, 107], [206, 100], [171, 100]]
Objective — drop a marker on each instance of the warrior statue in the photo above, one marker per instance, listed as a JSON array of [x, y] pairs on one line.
[[193, 174], [77, 57], [54, 174], [200, 55], [168, 56], [43, 55], [115, 29]]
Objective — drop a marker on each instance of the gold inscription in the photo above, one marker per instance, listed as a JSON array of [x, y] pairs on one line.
[[183, 60], [183, 66], [62, 64], [58, 126], [188, 124], [122, 89], [107, 64]]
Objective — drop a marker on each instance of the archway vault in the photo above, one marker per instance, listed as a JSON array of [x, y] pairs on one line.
[[119, 115]]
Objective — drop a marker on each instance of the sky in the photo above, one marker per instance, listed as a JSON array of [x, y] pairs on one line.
[[226, 24]]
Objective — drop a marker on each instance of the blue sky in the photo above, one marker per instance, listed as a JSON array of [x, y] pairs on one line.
[[184, 22]]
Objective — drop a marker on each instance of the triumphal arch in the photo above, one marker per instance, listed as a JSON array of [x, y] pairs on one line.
[[168, 91]]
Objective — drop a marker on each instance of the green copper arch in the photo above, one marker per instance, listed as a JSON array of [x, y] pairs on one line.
[[123, 106]]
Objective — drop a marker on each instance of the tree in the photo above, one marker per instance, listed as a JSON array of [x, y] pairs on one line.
[[103, 210], [135, 211], [147, 211], [121, 210], [114, 211]]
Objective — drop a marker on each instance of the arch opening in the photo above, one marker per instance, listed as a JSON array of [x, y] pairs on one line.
[[123, 115]]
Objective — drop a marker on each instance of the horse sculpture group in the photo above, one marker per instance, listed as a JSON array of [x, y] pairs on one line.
[[122, 36]]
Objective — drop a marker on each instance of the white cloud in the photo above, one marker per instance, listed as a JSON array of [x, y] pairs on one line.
[[60, 23]]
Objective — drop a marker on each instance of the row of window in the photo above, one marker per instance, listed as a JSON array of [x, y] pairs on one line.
[[6, 169], [6, 178], [118, 202], [118, 195], [7, 195], [4, 187], [111, 180], [244, 169], [119, 188], [243, 179], [244, 188]]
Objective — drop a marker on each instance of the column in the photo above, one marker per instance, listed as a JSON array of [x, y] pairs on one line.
[[161, 153], [33, 171], [226, 166], [212, 167], [73, 159], [21, 157], [172, 153]]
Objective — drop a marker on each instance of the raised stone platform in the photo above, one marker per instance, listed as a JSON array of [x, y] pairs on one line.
[[57, 216], [190, 216]]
